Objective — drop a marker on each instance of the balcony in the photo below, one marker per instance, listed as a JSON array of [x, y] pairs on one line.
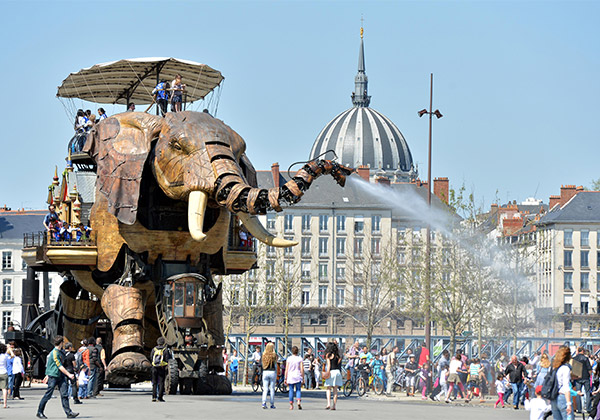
[[42, 249]]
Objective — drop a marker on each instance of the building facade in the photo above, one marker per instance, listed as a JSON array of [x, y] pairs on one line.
[[13, 225]]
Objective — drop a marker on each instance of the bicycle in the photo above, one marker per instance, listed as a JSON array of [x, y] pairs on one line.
[[257, 379], [373, 382]]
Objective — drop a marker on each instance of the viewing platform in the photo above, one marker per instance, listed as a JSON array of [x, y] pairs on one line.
[[43, 253]]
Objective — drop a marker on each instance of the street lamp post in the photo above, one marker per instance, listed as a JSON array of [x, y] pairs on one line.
[[438, 114]]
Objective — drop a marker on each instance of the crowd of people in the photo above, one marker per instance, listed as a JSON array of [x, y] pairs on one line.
[[61, 231], [165, 93]]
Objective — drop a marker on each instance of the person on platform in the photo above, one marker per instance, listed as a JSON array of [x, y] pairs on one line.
[[177, 98], [160, 359], [161, 93], [52, 216], [130, 107], [102, 114], [80, 121], [55, 377]]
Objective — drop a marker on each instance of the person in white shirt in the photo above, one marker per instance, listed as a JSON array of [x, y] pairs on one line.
[[453, 378], [537, 406], [561, 405], [500, 389]]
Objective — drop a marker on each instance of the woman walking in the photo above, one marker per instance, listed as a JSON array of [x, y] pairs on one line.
[[561, 405], [333, 363], [269, 365], [294, 376], [19, 373]]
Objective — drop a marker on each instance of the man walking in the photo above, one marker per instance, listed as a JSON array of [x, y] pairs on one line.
[[584, 381], [159, 358], [515, 372], [55, 377], [94, 364], [102, 368], [71, 365], [390, 369]]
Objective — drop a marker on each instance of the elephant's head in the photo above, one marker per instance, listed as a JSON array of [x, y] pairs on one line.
[[194, 158]]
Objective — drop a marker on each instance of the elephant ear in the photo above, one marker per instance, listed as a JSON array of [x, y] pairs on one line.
[[120, 146], [249, 171]]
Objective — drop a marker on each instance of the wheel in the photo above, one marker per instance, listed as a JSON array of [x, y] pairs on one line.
[[361, 387], [282, 387], [186, 386], [378, 385], [348, 388], [256, 382], [172, 379]]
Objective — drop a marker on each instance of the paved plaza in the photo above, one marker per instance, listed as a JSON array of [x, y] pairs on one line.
[[244, 404]]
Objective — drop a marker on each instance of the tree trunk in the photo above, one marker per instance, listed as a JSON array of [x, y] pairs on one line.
[[246, 349]]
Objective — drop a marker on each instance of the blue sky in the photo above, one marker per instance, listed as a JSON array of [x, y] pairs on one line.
[[517, 82]]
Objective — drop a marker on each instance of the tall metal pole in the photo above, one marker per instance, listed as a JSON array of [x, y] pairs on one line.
[[428, 242]]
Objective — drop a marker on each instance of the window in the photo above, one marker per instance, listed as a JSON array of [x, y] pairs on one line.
[[23, 265], [340, 222], [323, 247], [339, 296], [358, 247], [416, 234], [401, 257], [235, 295], [358, 295], [568, 281], [270, 251], [322, 295], [376, 224], [584, 307], [568, 308], [359, 224], [270, 221], [288, 251], [288, 222], [340, 247], [7, 260], [376, 246], [6, 320], [252, 274], [252, 296], [568, 259], [323, 222], [401, 234], [270, 270], [585, 238], [585, 281], [305, 245], [7, 290], [323, 271], [568, 325], [305, 269], [305, 296], [269, 295], [416, 253], [287, 268], [568, 237], [263, 319], [375, 295], [305, 222], [585, 259], [340, 271]]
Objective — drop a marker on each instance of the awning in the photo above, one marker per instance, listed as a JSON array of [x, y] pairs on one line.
[[134, 79]]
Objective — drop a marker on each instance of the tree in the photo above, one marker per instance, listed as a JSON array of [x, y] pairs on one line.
[[595, 185]]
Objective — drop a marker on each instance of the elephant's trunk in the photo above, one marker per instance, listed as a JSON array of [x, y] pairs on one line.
[[239, 197]]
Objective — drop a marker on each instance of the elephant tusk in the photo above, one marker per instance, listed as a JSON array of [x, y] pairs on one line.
[[259, 232], [196, 209]]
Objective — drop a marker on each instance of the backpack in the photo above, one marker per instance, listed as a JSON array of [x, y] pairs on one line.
[[550, 384], [158, 359]]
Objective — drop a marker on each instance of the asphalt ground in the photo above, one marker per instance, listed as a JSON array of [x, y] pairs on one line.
[[244, 404]]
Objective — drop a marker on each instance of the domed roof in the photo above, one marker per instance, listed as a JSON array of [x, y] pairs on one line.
[[363, 136]]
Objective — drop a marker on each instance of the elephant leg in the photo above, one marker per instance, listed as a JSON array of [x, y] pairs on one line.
[[213, 317], [124, 306], [80, 315]]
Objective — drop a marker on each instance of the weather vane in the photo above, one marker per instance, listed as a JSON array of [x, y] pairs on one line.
[[362, 21]]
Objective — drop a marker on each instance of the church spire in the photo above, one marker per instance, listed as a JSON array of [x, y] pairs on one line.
[[360, 95]]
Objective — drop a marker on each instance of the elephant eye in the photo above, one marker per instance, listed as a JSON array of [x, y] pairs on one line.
[[175, 145]]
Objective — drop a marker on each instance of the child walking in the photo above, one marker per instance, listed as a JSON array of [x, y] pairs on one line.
[[83, 380], [537, 406], [500, 389]]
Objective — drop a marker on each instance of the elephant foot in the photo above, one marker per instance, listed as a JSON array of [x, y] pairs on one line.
[[213, 385], [128, 368]]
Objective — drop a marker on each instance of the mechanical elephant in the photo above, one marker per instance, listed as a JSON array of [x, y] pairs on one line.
[[166, 190]]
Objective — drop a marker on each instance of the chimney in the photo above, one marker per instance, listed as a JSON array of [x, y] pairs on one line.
[[554, 200], [441, 188], [363, 172], [566, 193], [275, 172], [382, 180]]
